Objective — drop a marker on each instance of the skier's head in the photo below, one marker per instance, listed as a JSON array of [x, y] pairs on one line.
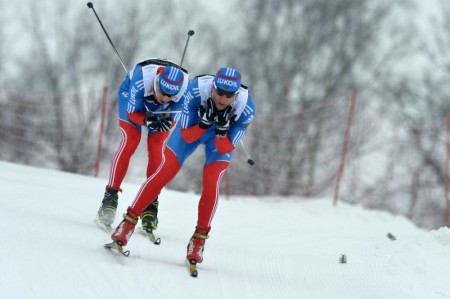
[[170, 80], [227, 81]]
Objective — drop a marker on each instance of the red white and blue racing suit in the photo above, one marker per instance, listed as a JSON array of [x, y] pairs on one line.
[[185, 139]]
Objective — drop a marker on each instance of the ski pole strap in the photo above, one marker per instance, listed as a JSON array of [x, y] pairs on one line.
[[161, 62]]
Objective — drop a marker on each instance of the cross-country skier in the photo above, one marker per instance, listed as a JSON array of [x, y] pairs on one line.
[[217, 111], [153, 85]]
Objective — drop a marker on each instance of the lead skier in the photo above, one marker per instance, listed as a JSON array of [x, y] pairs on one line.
[[153, 85]]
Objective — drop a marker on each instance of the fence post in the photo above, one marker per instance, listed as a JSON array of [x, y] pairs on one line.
[[447, 175], [345, 145], [100, 134]]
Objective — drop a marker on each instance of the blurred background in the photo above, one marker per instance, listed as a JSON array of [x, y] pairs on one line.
[[352, 96]]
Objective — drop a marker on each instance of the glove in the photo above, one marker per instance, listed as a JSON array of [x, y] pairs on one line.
[[223, 122], [165, 124], [158, 124], [151, 122], [207, 114]]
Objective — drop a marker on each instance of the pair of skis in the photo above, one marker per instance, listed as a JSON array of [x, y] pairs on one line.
[[191, 264], [116, 246]]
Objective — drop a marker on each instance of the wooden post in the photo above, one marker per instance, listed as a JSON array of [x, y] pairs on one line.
[[345, 146], [447, 175], [100, 134]]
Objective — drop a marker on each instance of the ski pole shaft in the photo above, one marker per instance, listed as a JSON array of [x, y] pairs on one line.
[[90, 5], [249, 159], [161, 112], [190, 33], [166, 112]]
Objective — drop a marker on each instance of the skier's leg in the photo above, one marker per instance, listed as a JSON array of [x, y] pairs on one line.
[[119, 166]]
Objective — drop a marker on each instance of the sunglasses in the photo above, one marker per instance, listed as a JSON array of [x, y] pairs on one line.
[[228, 94], [165, 94]]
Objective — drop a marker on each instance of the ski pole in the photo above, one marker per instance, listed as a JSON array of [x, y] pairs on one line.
[[190, 33], [90, 5], [162, 112], [249, 159], [165, 112]]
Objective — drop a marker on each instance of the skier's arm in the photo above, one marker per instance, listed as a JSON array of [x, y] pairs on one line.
[[192, 134], [135, 109], [236, 132], [190, 129], [137, 117], [223, 145]]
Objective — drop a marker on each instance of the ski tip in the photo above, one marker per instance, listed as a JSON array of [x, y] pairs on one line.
[[116, 247], [151, 237], [107, 228], [112, 245]]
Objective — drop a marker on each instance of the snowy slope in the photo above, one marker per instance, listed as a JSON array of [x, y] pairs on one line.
[[51, 247]]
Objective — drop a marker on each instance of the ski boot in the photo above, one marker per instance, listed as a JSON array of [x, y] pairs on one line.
[[196, 244], [195, 249], [107, 211], [125, 229], [149, 218]]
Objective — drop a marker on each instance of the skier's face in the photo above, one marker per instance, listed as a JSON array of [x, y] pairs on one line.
[[222, 100], [160, 97]]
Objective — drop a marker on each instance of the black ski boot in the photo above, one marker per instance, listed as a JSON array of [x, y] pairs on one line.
[[149, 217], [107, 211]]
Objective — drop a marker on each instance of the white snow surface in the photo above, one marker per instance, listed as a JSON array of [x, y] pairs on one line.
[[52, 248]]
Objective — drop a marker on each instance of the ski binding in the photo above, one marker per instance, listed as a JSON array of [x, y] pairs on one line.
[[192, 267], [151, 236]]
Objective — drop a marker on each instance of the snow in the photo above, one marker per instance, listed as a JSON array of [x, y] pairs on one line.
[[51, 247]]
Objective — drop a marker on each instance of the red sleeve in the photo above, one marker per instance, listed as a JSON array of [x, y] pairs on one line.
[[137, 117], [192, 134], [223, 145]]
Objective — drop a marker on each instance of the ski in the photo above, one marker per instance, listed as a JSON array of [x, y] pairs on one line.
[[192, 267], [106, 227], [151, 237], [117, 247]]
